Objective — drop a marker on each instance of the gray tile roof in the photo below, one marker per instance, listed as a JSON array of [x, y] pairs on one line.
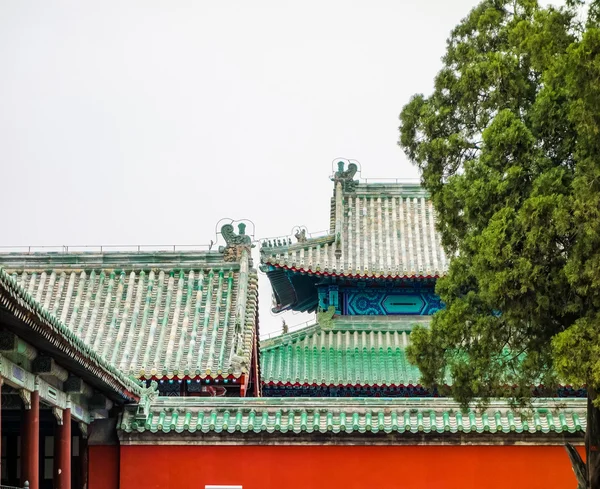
[[377, 230]]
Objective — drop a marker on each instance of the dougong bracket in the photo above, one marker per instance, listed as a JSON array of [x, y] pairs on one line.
[[58, 414], [25, 397]]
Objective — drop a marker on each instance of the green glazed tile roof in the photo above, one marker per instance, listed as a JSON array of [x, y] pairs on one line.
[[162, 314], [307, 415], [386, 230], [365, 352], [25, 307]]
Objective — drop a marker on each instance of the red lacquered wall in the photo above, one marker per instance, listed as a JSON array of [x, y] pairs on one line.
[[346, 467], [103, 467]]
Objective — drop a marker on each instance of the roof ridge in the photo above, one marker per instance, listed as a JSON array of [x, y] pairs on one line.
[[276, 341], [274, 247], [297, 403], [346, 324], [395, 187], [115, 254], [114, 260]]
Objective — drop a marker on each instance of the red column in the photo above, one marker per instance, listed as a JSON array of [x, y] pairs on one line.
[[83, 460], [1, 382], [62, 453], [243, 385], [256, 377], [30, 449]]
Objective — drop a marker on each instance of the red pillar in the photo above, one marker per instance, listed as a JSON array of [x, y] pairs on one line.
[[62, 452], [1, 382], [256, 377], [30, 449], [243, 385], [83, 460]]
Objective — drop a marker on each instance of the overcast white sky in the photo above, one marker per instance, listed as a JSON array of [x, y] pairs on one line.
[[146, 122]]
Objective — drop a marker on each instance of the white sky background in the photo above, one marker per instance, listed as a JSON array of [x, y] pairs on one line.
[[147, 122]]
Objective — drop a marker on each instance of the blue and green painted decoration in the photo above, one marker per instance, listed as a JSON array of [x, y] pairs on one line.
[[416, 300]]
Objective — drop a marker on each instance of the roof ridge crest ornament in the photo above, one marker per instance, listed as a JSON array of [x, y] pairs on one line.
[[344, 182], [346, 177], [301, 234], [235, 243]]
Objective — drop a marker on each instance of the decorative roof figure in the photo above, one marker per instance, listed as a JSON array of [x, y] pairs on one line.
[[301, 235], [346, 177], [236, 243]]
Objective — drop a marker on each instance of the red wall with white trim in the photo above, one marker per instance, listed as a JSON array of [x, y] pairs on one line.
[[347, 467]]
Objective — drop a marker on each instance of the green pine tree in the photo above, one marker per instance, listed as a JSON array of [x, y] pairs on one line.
[[508, 145]]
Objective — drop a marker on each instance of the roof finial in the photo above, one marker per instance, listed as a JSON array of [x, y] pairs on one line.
[[235, 242], [346, 177]]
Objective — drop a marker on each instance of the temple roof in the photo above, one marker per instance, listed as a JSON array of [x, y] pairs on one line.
[[53, 334], [165, 314], [359, 415], [351, 351], [377, 230]]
